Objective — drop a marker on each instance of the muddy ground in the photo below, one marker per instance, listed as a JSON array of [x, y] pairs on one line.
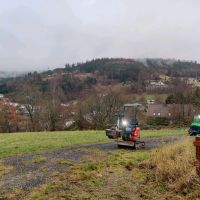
[[31, 170]]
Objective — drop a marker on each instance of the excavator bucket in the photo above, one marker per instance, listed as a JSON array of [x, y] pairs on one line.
[[113, 133]]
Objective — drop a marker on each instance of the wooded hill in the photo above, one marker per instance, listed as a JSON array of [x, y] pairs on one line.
[[70, 81], [130, 69]]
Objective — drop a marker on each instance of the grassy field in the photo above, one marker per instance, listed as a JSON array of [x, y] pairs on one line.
[[19, 143], [162, 173]]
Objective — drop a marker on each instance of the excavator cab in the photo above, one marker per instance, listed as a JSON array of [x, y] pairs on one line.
[[129, 129]]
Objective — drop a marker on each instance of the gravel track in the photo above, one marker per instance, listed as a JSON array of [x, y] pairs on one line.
[[27, 174]]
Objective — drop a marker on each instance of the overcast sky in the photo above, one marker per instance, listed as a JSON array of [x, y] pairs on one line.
[[37, 34]]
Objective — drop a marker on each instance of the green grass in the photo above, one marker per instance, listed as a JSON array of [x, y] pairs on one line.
[[19, 143], [163, 132]]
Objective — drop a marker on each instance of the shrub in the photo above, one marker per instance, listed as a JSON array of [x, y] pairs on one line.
[[157, 121]]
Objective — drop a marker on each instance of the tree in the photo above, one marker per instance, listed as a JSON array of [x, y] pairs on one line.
[[81, 120], [30, 97], [52, 114], [102, 109], [9, 119]]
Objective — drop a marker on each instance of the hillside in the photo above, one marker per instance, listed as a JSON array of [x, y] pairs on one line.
[[130, 69], [77, 79]]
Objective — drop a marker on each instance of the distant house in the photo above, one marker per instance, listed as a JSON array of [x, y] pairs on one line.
[[65, 104], [191, 81], [1, 96], [150, 101], [155, 85], [171, 110], [194, 82], [158, 110], [137, 106], [69, 123]]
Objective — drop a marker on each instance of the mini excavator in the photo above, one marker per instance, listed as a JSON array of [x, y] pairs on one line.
[[126, 132]]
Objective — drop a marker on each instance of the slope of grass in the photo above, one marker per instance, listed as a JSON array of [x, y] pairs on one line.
[[19, 143], [170, 173]]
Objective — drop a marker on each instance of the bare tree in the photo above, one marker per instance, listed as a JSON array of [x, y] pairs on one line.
[[102, 108], [53, 114], [30, 97], [9, 120]]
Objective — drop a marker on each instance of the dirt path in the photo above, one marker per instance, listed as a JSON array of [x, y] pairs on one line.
[[31, 170]]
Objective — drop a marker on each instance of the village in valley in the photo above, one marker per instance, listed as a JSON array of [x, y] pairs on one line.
[[154, 98]]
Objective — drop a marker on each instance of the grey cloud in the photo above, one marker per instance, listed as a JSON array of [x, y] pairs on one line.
[[35, 35]]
